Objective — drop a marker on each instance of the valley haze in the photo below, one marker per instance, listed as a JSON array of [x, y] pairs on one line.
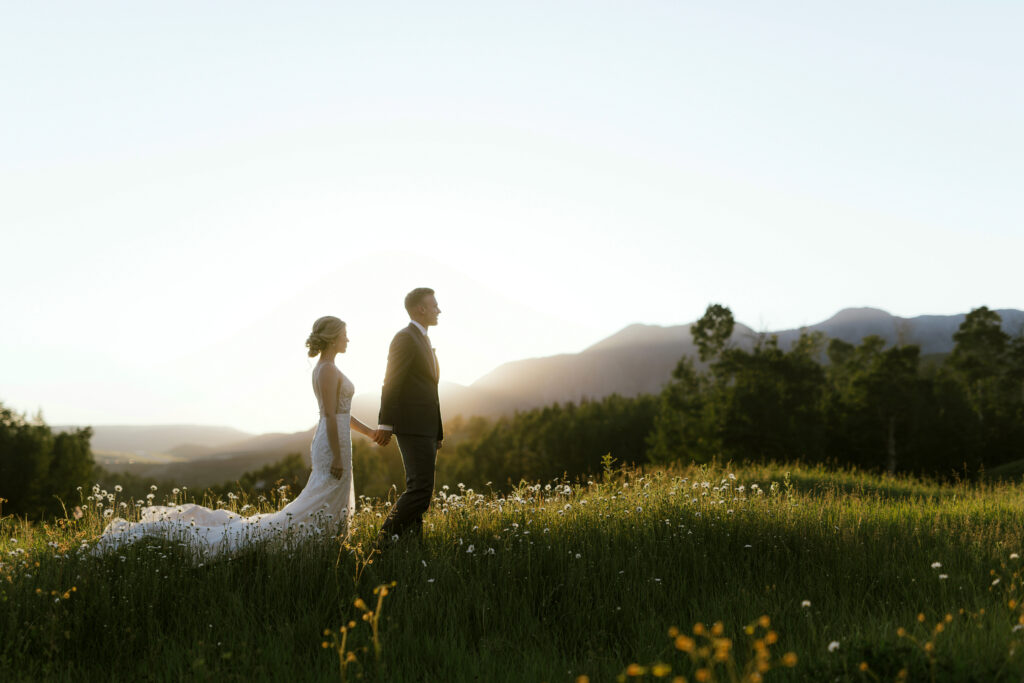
[[638, 359]]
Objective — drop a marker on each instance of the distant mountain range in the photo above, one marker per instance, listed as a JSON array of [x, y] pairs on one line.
[[145, 440], [636, 360], [640, 358]]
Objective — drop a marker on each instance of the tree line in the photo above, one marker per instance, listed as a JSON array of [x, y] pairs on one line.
[[40, 470], [820, 401], [878, 408]]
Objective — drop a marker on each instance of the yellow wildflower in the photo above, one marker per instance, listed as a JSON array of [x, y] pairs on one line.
[[685, 643], [635, 670]]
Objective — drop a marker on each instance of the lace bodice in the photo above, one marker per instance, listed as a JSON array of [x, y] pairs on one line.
[[345, 392]]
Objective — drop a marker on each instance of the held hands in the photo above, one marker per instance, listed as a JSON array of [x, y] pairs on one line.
[[381, 437]]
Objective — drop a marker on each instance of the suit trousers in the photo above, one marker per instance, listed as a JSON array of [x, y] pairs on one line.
[[419, 455]]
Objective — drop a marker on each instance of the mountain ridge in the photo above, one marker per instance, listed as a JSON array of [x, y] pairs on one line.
[[640, 358], [637, 359]]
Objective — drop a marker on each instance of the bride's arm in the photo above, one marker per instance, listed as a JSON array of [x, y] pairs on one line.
[[328, 382], [362, 429]]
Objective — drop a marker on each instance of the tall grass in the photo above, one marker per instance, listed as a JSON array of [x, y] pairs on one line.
[[710, 573]]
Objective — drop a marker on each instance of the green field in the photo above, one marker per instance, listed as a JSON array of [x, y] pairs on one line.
[[708, 573]]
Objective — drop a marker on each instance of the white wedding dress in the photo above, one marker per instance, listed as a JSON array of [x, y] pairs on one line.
[[323, 507]]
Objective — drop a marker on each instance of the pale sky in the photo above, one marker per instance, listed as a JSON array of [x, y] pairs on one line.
[[185, 187]]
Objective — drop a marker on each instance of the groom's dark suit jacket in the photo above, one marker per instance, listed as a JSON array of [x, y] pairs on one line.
[[408, 400]]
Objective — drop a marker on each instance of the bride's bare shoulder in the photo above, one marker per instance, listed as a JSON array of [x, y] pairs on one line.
[[325, 373]]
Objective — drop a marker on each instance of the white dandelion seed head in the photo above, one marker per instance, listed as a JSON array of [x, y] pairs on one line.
[[833, 646], [805, 604], [936, 565]]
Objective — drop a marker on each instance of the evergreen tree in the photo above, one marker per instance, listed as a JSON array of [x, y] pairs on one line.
[[39, 469], [989, 364]]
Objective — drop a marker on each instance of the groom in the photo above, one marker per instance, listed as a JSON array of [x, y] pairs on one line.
[[410, 409]]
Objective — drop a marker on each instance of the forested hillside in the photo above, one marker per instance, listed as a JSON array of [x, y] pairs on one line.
[[870, 405]]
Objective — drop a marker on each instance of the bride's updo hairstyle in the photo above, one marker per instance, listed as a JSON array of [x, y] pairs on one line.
[[325, 331]]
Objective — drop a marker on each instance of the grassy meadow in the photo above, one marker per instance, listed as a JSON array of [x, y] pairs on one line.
[[704, 573]]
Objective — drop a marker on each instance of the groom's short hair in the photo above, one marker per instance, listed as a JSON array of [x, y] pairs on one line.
[[416, 297]]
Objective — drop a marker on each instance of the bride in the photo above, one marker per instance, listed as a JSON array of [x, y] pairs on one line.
[[326, 502]]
